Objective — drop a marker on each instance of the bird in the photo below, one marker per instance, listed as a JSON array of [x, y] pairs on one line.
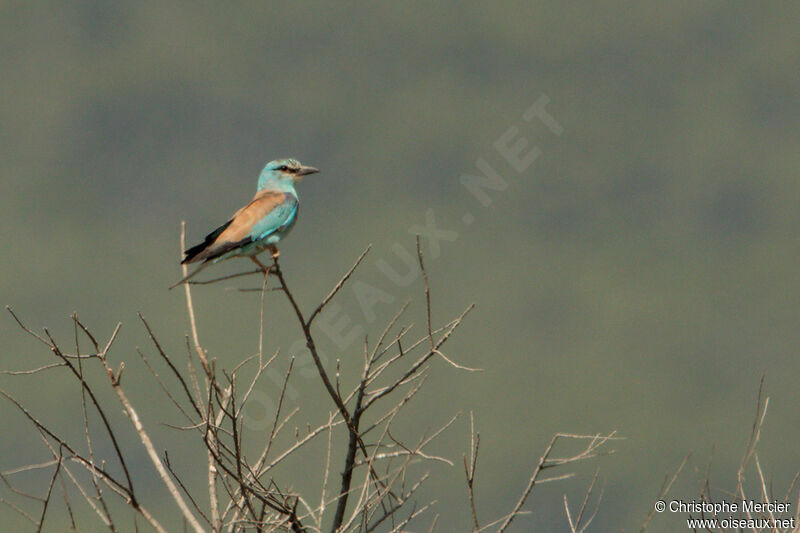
[[259, 225]]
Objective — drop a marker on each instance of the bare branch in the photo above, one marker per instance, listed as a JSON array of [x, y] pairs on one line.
[[545, 461], [32, 371], [337, 287], [170, 364], [761, 412], [668, 482], [577, 525], [151, 451], [49, 491], [469, 469], [421, 361]]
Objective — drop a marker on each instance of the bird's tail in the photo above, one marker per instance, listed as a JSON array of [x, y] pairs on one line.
[[189, 276]]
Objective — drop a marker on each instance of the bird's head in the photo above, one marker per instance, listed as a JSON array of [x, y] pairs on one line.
[[283, 173]]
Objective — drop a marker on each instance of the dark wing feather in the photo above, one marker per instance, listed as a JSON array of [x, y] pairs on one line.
[[196, 250], [213, 252]]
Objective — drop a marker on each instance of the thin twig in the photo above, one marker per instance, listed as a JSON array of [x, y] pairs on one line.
[[338, 286], [151, 452], [469, 469], [668, 482]]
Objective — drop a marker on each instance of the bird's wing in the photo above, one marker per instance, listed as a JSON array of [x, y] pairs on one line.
[[267, 213]]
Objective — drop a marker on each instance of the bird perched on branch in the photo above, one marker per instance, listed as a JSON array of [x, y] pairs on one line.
[[259, 225]]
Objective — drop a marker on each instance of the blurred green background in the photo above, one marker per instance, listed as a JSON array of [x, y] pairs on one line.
[[639, 276]]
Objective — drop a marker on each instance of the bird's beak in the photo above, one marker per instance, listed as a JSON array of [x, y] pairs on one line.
[[304, 171]]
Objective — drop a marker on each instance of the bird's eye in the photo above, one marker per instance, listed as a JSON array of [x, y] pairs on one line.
[[283, 168]]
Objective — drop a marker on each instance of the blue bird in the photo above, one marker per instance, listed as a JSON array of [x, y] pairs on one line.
[[259, 225]]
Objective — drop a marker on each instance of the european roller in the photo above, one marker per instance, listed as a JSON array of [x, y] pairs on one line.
[[259, 225]]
